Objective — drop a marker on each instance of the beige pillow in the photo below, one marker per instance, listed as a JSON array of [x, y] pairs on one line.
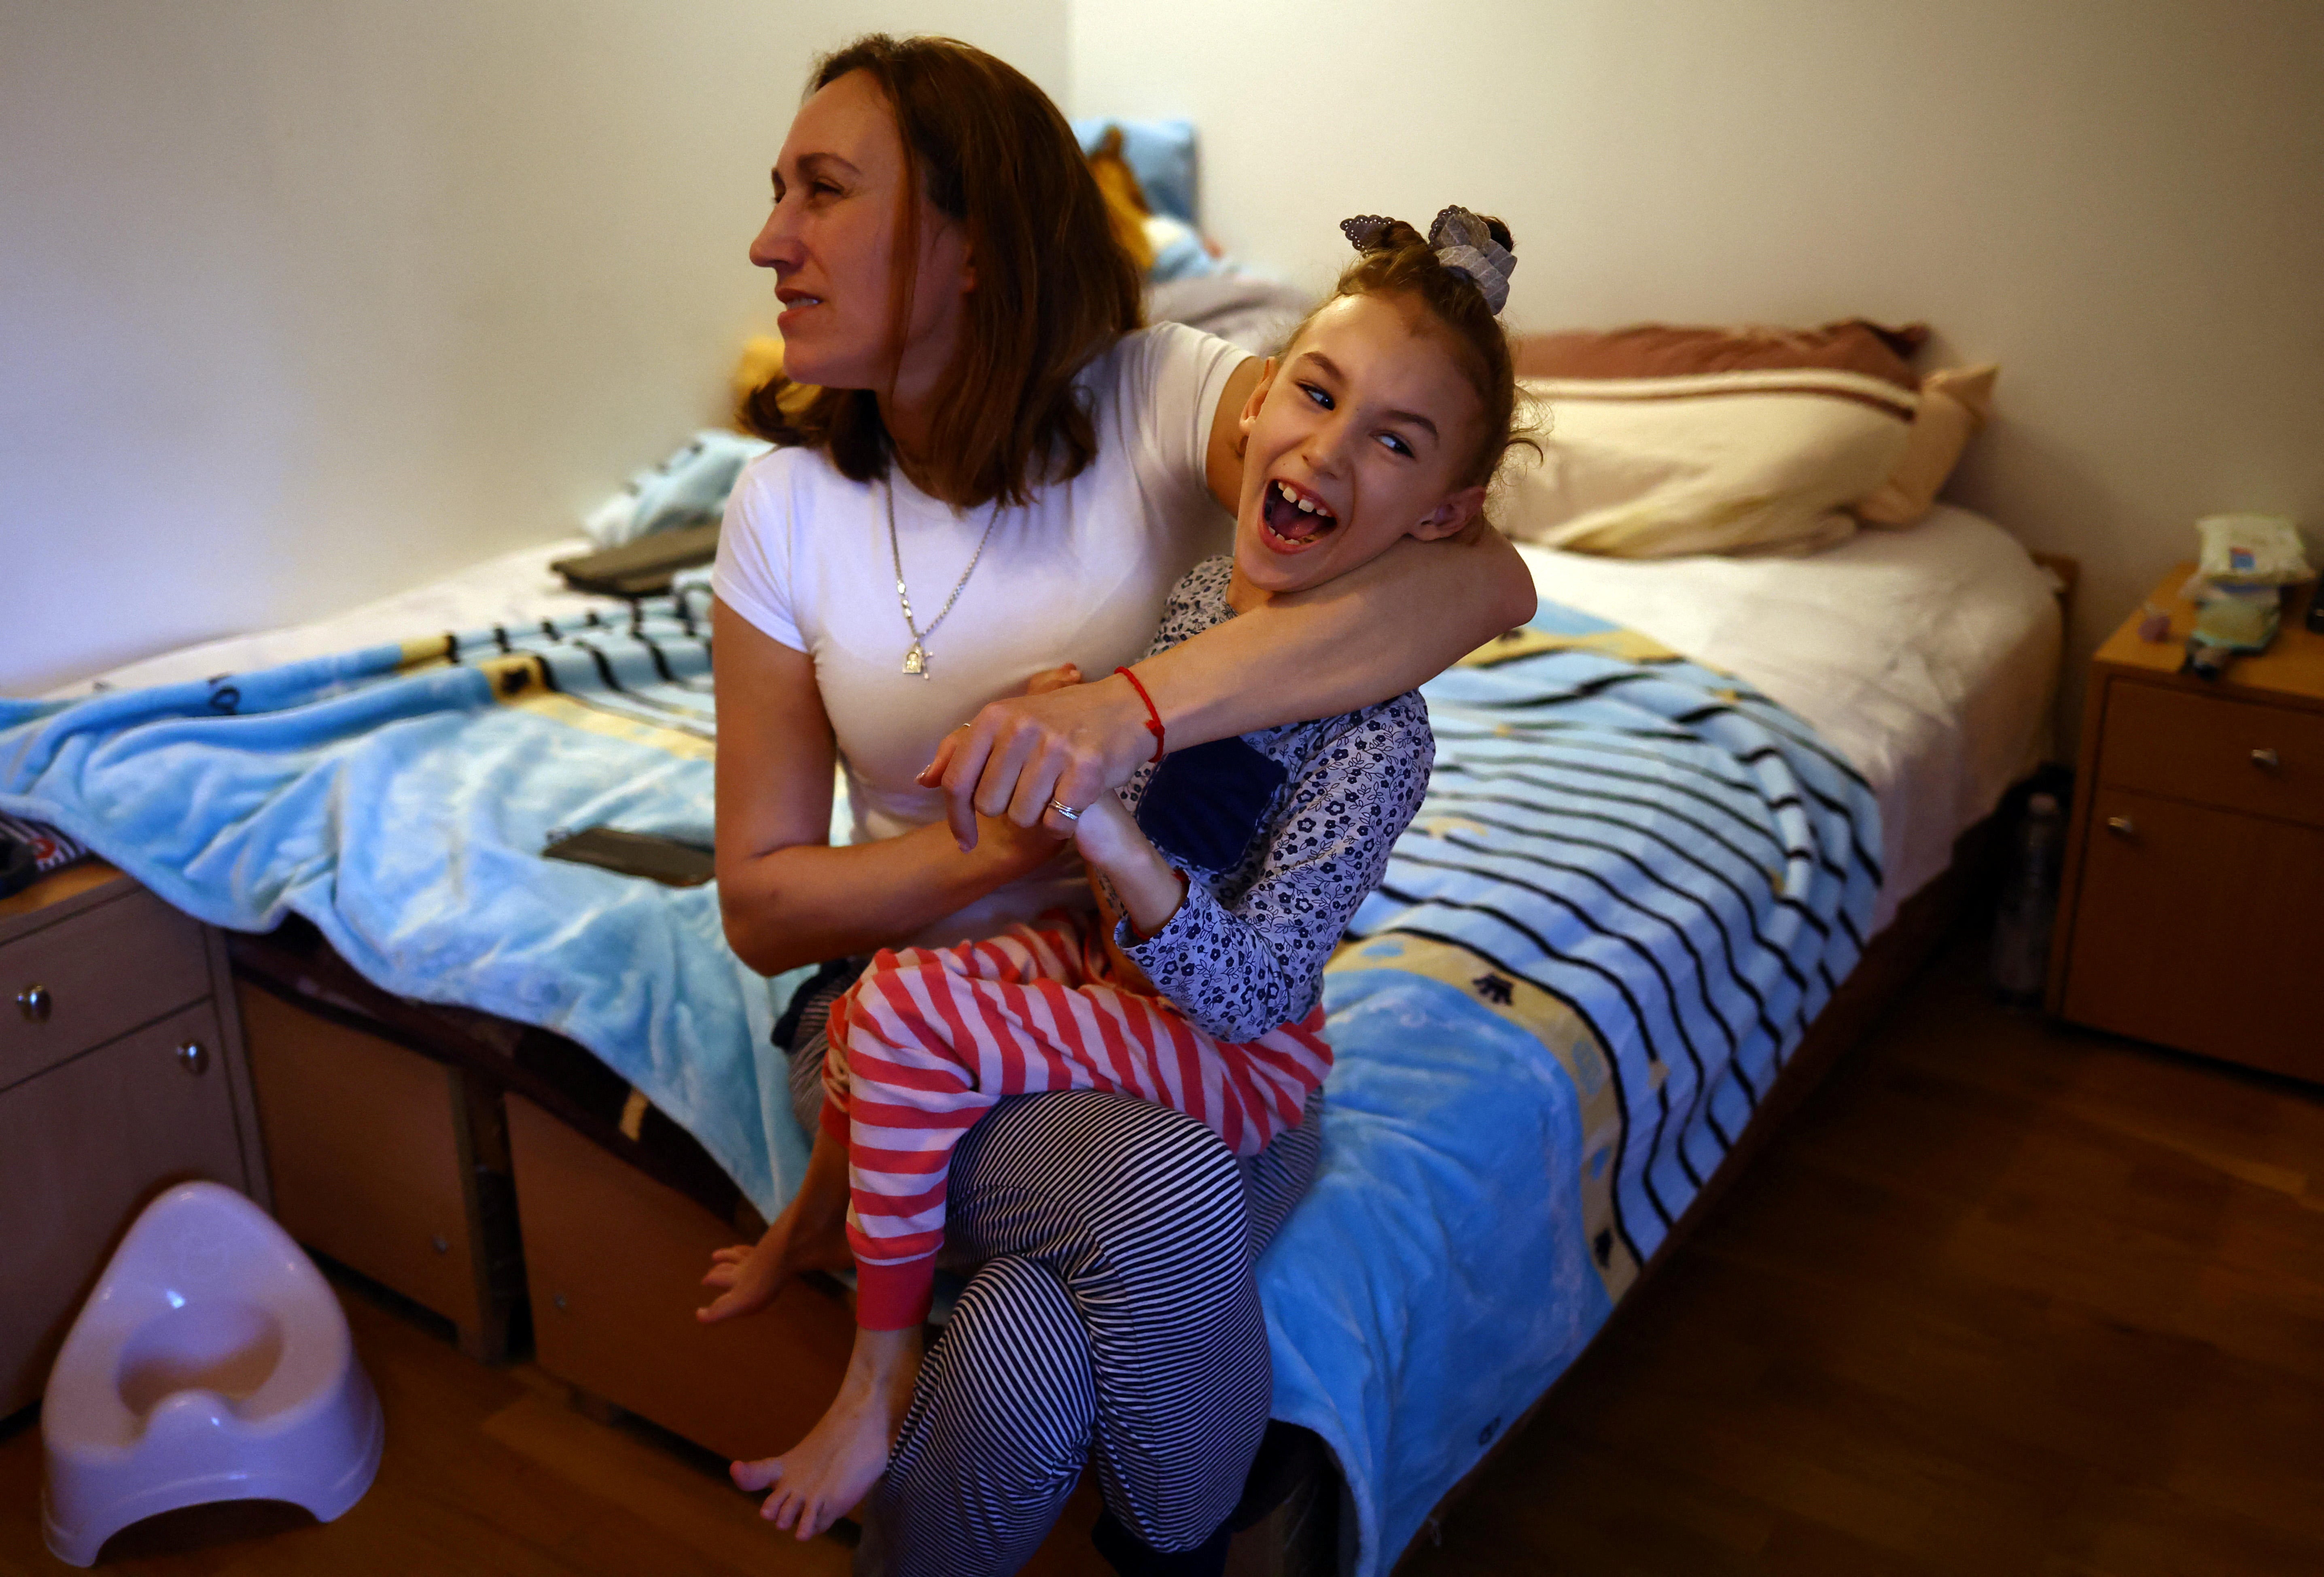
[[1764, 461], [1666, 440], [1955, 404], [1718, 490]]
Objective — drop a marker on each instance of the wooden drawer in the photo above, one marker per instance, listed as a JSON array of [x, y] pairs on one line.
[[615, 1262], [82, 1148], [2207, 749], [105, 970], [373, 1162], [2201, 929]]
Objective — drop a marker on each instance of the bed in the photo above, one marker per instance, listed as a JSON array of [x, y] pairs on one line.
[[1920, 664]]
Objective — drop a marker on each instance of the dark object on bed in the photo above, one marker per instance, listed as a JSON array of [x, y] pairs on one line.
[[19, 868], [30, 849], [655, 858], [642, 568]]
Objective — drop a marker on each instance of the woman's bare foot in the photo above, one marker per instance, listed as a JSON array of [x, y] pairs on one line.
[[820, 1480], [811, 1234]]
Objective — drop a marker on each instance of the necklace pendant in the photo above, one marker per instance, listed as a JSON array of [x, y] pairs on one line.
[[916, 661]]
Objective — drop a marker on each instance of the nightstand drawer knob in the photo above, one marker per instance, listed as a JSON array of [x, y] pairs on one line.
[[2122, 826], [2266, 759], [35, 1003], [194, 1057]]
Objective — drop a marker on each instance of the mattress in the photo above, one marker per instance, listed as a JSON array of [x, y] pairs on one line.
[[1928, 657]]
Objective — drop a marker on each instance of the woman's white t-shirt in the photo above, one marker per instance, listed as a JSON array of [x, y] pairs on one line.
[[1078, 576]]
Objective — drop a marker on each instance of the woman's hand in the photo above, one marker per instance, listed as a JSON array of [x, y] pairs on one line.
[[1061, 739], [1109, 838]]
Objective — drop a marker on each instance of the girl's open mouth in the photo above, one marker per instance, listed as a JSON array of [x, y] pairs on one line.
[[1295, 518]]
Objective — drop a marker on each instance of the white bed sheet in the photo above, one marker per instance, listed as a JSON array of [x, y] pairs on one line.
[[1928, 657], [514, 589]]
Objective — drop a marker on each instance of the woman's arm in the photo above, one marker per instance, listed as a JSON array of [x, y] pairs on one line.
[[1374, 632], [787, 897]]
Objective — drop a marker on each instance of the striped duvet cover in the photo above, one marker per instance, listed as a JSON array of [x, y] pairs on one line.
[[1633, 883]]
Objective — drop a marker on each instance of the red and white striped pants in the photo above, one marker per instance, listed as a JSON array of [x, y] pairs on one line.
[[931, 1038]]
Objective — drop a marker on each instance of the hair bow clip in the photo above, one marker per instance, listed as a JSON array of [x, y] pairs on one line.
[[1365, 230], [1464, 242]]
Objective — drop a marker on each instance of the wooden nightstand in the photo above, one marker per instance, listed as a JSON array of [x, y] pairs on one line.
[[2193, 908], [120, 1070]]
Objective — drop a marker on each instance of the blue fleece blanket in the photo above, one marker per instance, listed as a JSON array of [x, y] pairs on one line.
[[1633, 883], [400, 797]]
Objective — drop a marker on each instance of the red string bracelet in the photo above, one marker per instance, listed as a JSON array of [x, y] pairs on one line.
[[1153, 717]]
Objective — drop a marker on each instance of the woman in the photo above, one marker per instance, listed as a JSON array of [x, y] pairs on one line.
[[989, 471]]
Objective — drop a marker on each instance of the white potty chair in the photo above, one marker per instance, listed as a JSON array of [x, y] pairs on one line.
[[211, 1363]]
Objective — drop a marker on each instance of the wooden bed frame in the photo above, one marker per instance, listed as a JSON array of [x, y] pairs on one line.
[[423, 1148], [500, 1176]]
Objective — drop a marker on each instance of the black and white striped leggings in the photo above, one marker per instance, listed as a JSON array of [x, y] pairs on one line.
[[1110, 1314]]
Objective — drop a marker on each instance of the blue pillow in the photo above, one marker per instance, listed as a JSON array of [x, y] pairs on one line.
[[1160, 154]]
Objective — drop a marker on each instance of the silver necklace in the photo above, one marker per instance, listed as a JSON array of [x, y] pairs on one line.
[[916, 660]]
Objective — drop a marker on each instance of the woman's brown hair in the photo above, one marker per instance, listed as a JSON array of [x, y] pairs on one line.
[[1400, 263], [1053, 287]]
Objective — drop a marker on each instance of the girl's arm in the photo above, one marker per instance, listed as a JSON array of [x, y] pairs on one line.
[[1379, 630], [1238, 971], [1149, 887], [787, 895]]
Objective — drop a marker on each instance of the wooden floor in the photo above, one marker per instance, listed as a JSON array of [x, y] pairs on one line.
[[2004, 1299]]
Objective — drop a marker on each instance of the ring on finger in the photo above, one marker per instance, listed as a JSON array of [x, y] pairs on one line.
[[1067, 811]]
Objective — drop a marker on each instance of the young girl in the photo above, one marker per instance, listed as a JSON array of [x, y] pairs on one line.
[[1225, 873]]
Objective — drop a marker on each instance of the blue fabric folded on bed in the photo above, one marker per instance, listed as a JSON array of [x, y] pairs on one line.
[[687, 489], [1633, 883], [400, 797]]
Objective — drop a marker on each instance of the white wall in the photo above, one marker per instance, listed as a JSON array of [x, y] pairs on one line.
[[302, 304], [2117, 199]]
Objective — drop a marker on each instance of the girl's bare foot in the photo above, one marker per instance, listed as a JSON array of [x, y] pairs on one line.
[[822, 1478], [811, 1234]]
